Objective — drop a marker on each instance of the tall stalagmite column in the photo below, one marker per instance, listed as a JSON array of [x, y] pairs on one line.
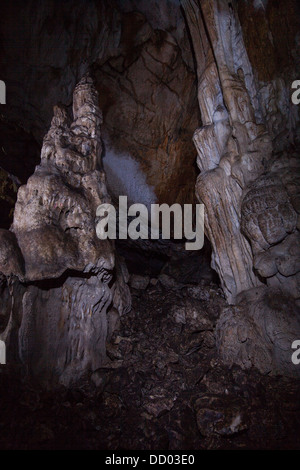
[[70, 278], [233, 144], [251, 194]]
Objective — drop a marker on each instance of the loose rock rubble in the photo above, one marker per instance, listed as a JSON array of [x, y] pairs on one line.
[[165, 388]]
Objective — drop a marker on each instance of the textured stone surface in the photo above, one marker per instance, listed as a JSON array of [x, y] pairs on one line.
[[148, 96], [260, 331], [64, 325], [54, 218], [271, 35], [11, 258], [166, 390], [231, 145], [270, 219], [247, 190], [249, 180], [142, 61], [139, 282], [8, 195], [143, 66]]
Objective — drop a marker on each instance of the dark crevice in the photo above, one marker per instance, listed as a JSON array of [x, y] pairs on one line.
[[48, 284]]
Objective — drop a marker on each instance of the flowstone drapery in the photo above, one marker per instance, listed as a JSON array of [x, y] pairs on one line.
[[250, 193]]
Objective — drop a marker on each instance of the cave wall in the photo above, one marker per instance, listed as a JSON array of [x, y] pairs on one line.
[[142, 57], [148, 96], [143, 70], [61, 282], [271, 37]]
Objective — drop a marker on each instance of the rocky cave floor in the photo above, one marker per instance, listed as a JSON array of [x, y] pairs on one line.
[[165, 388]]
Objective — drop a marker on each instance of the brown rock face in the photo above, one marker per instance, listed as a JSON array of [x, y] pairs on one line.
[[63, 328], [148, 96], [271, 36], [143, 67]]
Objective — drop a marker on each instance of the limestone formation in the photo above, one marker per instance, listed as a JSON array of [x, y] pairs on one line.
[[140, 55], [270, 219], [141, 59], [250, 189], [71, 276], [231, 144], [260, 331]]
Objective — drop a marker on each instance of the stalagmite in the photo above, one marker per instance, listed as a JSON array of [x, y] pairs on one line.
[[71, 276], [249, 192]]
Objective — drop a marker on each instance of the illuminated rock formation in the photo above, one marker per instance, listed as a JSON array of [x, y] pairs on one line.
[[250, 193], [70, 274]]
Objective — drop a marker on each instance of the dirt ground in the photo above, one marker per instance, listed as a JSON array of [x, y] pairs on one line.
[[165, 389]]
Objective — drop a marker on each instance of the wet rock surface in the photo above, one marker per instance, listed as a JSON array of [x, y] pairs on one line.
[[165, 389]]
